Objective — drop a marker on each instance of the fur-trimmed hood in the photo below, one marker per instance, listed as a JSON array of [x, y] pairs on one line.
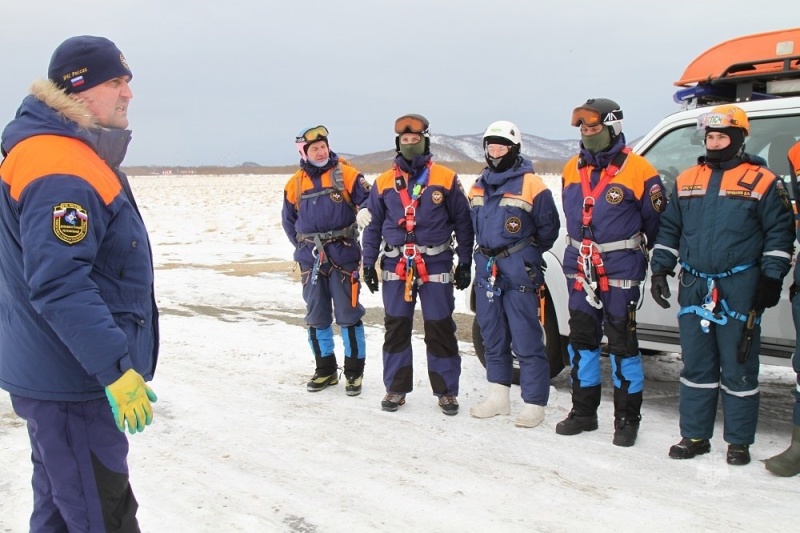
[[48, 110]]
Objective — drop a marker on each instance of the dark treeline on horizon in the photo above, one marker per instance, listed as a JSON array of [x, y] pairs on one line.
[[461, 167]]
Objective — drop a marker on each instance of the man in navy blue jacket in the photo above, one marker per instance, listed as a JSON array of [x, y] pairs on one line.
[[79, 328]]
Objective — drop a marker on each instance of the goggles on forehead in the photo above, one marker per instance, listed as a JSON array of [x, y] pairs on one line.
[[586, 116], [312, 134], [717, 120], [410, 124]]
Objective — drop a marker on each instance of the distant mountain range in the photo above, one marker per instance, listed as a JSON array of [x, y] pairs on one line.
[[469, 148]]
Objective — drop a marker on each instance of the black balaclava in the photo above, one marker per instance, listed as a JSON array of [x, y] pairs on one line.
[[731, 151], [500, 164]]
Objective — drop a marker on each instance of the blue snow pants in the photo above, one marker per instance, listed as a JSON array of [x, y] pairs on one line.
[[796, 359], [586, 327], [331, 296], [80, 469], [710, 363], [510, 321], [444, 361]]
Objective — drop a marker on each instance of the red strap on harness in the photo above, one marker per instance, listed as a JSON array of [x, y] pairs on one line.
[[587, 249], [405, 268]]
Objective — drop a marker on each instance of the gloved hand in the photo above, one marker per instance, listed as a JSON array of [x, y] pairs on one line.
[[768, 293], [463, 276], [659, 289], [371, 278], [130, 401], [363, 218]]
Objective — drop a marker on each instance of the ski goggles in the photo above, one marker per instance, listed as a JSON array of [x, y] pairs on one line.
[[312, 134], [717, 120], [410, 124], [586, 116]]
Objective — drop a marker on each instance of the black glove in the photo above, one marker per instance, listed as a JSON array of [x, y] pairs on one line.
[[659, 289], [463, 276], [768, 293], [371, 278]]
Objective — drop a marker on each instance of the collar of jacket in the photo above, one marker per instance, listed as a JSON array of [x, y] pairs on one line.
[[521, 167], [413, 168], [315, 172]]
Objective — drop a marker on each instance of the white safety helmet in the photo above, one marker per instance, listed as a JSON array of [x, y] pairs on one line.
[[505, 133], [503, 129]]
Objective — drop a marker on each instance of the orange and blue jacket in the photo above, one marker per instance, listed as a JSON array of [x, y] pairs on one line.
[[442, 211], [313, 204], [76, 273], [512, 207], [630, 204], [725, 216]]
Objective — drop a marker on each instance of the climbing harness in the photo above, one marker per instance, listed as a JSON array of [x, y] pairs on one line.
[[714, 299]]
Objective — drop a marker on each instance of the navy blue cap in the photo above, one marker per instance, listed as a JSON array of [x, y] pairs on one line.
[[82, 62]]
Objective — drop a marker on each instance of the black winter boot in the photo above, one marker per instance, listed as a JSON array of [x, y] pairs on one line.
[[625, 431], [626, 417], [687, 448], [583, 416], [574, 424], [738, 454]]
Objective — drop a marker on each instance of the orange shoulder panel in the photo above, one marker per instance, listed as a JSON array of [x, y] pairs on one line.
[[385, 181], [635, 171], [532, 186], [570, 174], [475, 190], [350, 174], [748, 178], [293, 188], [794, 158], [48, 155], [441, 176], [692, 179]]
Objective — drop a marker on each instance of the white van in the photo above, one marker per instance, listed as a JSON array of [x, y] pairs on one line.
[[761, 74]]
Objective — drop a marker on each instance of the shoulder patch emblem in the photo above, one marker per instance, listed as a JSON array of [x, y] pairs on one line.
[[783, 195], [614, 195], [513, 224], [70, 222], [437, 197], [657, 198], [364, 183]]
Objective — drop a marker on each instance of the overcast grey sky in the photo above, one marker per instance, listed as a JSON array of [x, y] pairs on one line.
[[222, 82]]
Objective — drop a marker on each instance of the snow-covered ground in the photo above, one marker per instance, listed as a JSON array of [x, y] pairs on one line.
[[239, 445]]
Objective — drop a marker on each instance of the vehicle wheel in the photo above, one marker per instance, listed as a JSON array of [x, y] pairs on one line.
[[555, 343]]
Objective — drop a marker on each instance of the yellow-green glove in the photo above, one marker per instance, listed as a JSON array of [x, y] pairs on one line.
[[130, 399]]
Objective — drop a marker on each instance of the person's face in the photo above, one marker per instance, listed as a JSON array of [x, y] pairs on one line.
[[410, 138], [716, 140], [318, 151], [108, 102], [496, 151], [591, 130]]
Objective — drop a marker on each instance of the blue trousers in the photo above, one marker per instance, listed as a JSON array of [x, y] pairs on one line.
[[586, 327], [796, 360], [710, 366], [444, 361], [80, 469], [510, 321]]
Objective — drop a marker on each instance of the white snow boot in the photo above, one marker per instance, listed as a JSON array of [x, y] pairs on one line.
[[531, 416], [496, 404]]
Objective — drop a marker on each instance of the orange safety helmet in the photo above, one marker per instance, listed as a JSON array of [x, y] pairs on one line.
[[725, 116]]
